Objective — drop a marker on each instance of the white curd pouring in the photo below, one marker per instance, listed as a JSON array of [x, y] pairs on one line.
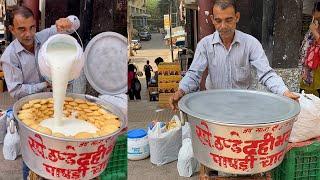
[[62, 56]]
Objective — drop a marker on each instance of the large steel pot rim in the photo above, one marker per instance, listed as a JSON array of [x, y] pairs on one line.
[[185, 111], [184, 119], [89, 98]]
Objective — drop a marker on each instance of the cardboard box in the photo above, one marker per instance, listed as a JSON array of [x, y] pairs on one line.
[[169, 79], [169, 67], [152, 89], [168, 72], [168, 87]]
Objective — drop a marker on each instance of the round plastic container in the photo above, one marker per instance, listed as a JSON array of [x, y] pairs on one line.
[[43, 57], [138, 145]]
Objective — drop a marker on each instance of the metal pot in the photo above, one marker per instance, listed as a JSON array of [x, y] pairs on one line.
[[239, 131], [62, 158]]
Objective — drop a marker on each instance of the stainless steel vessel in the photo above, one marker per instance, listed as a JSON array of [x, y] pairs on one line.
[[62, 158], [239, 131]]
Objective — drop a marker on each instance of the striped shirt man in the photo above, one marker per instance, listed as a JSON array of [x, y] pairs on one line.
[[231, 68]]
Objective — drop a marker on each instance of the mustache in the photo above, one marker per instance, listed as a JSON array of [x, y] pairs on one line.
[[226, 31]]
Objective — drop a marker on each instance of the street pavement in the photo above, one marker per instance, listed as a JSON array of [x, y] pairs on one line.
[[142, 112], [151, 50]]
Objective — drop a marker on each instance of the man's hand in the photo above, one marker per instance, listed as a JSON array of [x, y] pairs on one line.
[[49, 86], [174, 99], [63, 25], [291, 95], [314, 26]]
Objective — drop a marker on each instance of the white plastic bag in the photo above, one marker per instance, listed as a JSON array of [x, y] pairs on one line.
[[308, 124], [11, 145], [186, 131], [3, 127], [165, 146], [187, 164]]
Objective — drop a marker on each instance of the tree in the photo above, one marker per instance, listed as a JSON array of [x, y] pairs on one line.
[[164, 6], [152, 8], [158, 8]]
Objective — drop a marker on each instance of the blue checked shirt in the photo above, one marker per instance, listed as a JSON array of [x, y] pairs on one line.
[[231, 69]]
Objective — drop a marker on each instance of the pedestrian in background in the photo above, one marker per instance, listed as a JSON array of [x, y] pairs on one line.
[[147, 71]]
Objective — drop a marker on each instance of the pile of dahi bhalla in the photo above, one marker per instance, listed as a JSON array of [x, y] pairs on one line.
[[35, 111]]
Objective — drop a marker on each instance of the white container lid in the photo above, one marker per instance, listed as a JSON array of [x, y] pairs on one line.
[[106, 63]]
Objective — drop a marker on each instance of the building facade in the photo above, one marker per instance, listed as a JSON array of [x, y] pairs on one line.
[[138, 12]]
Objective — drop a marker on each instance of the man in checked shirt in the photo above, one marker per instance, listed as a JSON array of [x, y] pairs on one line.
[[229, 55], [19, 60]]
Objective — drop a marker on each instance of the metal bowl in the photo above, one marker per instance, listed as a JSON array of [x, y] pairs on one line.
[[239, 131], [62, 158]]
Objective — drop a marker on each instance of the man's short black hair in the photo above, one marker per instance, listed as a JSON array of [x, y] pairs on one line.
[[223, 4], [316, 6], [158, 60], [19, 10]]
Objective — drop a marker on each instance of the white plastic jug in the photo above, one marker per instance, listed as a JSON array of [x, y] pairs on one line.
[[78, 62]]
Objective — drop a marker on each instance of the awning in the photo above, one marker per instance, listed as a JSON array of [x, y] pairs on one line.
[[176, 32], [178, 36]]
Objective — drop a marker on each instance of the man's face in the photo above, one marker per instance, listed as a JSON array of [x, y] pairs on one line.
[[24, 29], [225, 20], [316, 15]]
